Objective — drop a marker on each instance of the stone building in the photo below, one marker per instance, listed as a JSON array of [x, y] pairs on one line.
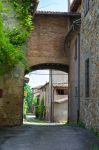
[[89, 64], [63, 41], [36, 91], [56, 102], [83, 43], [57, 109]]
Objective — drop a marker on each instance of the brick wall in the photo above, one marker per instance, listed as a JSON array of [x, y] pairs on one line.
[[46, 44]]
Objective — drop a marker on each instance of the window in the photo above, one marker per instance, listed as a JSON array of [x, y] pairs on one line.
[[86, 6], [87, 77], [1, 93], [60, 92], [76, 92]]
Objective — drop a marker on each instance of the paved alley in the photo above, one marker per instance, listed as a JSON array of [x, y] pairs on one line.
[[32, 137]]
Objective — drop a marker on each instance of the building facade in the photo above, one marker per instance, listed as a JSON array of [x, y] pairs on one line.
[[56, 102], [79, 56], [84, 68]]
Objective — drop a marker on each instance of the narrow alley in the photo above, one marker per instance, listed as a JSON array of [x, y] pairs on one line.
[[32, 137]]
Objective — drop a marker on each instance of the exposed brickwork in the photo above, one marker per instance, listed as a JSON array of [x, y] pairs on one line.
[[46, 44]]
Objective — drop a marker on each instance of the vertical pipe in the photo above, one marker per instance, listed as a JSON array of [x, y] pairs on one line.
[[78, 113], [53, 104], [50, 94], [68, 5], [68, 97]]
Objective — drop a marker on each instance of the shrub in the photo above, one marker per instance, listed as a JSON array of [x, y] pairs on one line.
[[41, 109]]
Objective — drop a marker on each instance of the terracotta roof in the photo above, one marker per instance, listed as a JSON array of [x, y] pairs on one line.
[[60, 84], [56, 85], [56, 13], [37, 87], [75, 4], [61, 100]]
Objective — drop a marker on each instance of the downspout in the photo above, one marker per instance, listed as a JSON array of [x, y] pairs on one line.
[[78, 111], [68, 5], [50, 95]]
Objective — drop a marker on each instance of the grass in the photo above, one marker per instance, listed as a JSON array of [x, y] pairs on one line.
[[79, 124], [34, 120], [95, 147], [94, 131]]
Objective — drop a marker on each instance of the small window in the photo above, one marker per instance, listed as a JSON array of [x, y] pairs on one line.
[[60, 92], [1, 93], [87, 77], [76, 92], [86, 6]]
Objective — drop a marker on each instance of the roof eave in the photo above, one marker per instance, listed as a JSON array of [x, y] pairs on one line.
[[49, 13]]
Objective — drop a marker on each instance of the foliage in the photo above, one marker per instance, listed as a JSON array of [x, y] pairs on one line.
[[95, 147], [93, 130], [12, 40], [28, 100], [41, 109], [35, 100], [36, 105], [25, 108], [79, 124]]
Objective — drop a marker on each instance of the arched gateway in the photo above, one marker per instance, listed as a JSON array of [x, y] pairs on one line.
[[46, 50]]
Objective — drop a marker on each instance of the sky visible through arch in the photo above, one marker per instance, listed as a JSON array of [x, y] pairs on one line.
[[39, 77], [35, 77]]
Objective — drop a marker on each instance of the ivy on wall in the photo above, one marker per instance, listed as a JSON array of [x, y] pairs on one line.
[[13, 39]]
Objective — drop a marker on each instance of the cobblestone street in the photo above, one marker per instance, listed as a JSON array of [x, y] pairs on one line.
[[33, 137]]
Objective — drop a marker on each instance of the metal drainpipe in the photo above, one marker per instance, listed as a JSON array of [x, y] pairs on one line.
[[53, 104], [68, 5], [50, 94], [78, 111]]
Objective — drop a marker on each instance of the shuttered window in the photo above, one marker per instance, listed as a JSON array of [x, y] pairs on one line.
[[87, 78]]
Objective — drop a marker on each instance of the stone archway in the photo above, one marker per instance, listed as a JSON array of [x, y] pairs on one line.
[[52, 88], [61, 67], [46, 49]]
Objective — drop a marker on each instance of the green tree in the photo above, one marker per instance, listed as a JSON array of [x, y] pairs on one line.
[[13, 37], [36, 105], [28, 98], [41, 109]]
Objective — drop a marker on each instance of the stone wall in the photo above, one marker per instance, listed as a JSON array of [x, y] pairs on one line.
[[11, 101], [89, 113], [11, 85], [73, 73], [73, 82]]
